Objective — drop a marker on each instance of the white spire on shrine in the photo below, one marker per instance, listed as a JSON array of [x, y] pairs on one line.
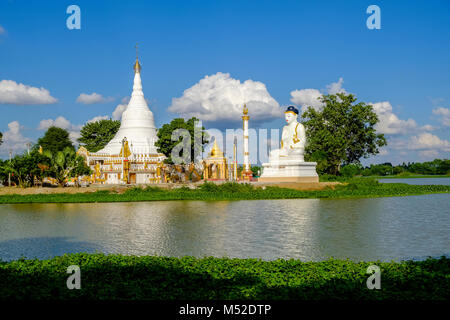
[[137, 125]]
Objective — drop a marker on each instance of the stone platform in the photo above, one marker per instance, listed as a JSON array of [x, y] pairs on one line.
[[289, 170]]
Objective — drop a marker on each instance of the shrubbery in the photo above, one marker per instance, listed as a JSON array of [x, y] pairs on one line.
[[164, 278], [435, 167]]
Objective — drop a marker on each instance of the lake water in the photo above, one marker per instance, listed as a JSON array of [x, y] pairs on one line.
[[418, 181], [394, 228]]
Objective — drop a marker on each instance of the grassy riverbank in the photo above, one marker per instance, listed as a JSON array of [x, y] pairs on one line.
[[163, 278], [356, 188]]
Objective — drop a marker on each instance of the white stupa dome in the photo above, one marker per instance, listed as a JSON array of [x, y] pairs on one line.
[[137, 125]]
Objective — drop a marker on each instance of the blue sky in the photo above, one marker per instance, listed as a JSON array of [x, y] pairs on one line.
[[284, 46]]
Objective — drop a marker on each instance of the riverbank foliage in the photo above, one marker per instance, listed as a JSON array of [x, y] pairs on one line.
[[53, 157], [164, 278], [405, 170], [353, 188]]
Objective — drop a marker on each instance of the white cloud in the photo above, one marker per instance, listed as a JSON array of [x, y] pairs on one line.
[[92, 98], [397, 143], [307, 97], [445, 115], [389, 123], [2, 30], [120, 108], [219, 97], [74, 135], [336, 87], [429, 154], [63, 123], [428, 127], [98, 118], [310, 97], [59, 122], [117, 114], [18, 93], [13, 139], [428, 141]]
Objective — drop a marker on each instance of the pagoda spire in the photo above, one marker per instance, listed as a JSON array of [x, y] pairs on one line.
[[137, 122], [137, 66], [215, 151], [137, 84]]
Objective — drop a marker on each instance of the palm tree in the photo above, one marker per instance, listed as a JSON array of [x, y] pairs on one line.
[[66, 164]]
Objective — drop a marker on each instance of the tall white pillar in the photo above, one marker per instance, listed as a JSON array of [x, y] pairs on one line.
[[235, 177], [246, 170]]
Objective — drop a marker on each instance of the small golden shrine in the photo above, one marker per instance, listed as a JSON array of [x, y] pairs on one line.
[[215, 166]]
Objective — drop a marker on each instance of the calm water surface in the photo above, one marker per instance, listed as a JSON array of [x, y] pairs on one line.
[[387, 229], [418, 181]]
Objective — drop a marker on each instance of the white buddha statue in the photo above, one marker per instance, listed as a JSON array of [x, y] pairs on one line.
[[293, 139]]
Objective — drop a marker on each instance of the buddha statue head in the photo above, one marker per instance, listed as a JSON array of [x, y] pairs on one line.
[[291, 114]]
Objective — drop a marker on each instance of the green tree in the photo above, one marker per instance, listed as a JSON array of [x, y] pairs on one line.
[[437, 166], [341, 133], [444, 166], [1, 138], [383, 169], [351, 170], [255, 170], [55, 139], [25, 169], [165, 143], [96, 135], [398, 170], [3, 171], [66, 164]]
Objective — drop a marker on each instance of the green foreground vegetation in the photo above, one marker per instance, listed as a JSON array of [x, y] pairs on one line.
[[355, 188], [163, 278]]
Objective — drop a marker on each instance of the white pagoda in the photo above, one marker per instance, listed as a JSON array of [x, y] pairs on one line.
[[131, 156]]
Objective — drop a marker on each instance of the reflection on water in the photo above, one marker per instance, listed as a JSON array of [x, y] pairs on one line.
[[418, 181], [309, 229]]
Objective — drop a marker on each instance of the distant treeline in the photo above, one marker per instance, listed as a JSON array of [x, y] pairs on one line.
[[435, 167]]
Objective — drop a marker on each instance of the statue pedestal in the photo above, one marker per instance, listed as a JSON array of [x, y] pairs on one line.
[[289, 170]]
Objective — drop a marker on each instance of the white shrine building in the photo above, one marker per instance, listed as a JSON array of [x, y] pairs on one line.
[[131, 157]]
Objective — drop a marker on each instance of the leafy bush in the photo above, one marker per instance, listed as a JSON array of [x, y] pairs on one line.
[[229, 187], [208, 187], [164, 278], [329, 177], [134, 190], [351, 170]]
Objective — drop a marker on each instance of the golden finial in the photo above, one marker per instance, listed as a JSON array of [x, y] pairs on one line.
[[215, 151], [137, 66], [245, 109]]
